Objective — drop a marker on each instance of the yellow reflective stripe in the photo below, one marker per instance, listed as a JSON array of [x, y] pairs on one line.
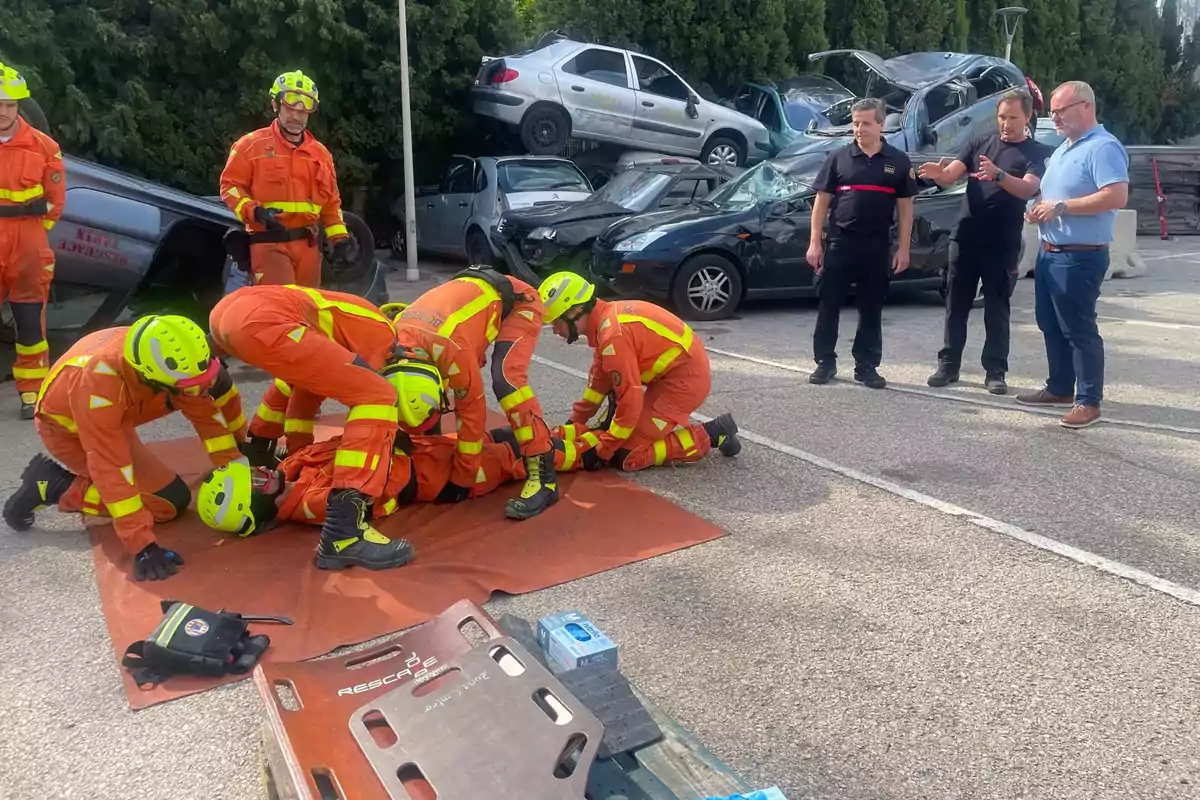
[[237, 424], [66, 422], [172, 624], [283, 388], [78, 361], [92, 495], [31, 373], [298, 426], [620, 431], [32, 349], [590, 395], [389, 506], [336, 230], [568, 431], [660, 451], [294, 208], [48, 224], [524, 434], [489, 295], [123, 508], [508, 402], [569, 454], [219, 443], [470, 448], [350, 458], [686, 439], [591, 438], [326, 306], [684, 339], [241, 203], [269, 415], [375, 412], [22, 195], [225, 398], [661, 364]]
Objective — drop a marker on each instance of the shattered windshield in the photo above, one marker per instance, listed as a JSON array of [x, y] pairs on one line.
[[762, 184], [633, 189]]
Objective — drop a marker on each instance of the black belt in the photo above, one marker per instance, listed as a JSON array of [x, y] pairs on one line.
[[1072, 248], [34, 208], [287, 235]]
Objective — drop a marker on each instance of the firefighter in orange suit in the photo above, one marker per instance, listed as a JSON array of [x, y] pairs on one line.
[[451, 327], [248, 500], [87, 413], [319, 344], [280, 181], [32, 190], [658, 370]]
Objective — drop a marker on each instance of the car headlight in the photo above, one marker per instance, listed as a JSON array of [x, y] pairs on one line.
[[543, 233], [638, 241]]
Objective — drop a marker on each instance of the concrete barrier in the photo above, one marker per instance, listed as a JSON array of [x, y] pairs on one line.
[[1124, 261]]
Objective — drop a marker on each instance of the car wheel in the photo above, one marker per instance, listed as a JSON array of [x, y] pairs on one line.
[[478, 249], [545, 130], [707, 288], [362, 253], [722, 152]]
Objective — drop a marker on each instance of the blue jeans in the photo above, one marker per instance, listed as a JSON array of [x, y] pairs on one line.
[[1067, 287]]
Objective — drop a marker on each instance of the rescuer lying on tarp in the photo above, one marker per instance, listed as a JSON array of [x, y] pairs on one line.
[[247, 500]]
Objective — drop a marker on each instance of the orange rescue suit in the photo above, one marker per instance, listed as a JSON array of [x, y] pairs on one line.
[[265, 169], [32, 191], [415, 478], [90, 407], [660, 373], [317, 344], [452, 326]]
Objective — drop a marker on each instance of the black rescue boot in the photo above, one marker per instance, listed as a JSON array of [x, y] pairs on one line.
[[722, 433], [260, 452], [823, 373], [869, 377], [945, 375], [995, 384], [42, 484], [347, 540], [28, 404], [541, 488]]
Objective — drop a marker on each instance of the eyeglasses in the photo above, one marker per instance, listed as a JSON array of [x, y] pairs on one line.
[[1058, 112]]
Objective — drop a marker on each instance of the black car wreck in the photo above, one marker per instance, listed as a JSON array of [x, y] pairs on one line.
[[540, 240], [749, 241]]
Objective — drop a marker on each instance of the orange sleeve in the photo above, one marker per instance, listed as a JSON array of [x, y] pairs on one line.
[[470, 412], [54, 182], [331, 209], [618, 359], [599, 384], [220, 442], [98, 411], [235, 182]]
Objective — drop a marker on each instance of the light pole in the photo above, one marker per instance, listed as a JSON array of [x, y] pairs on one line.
[[410, 199], [1011, 17]]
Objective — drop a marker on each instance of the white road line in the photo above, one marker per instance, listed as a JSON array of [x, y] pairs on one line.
[[975, 401], [1107, 565], [1158, 256], [1171, 326]]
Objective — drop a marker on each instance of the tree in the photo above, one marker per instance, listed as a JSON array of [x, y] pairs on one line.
[[805, 30], [861, 24], [1172, 35], [915, 26], [961, 31]]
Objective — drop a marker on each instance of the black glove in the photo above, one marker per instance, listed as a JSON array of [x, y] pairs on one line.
[[266, 216], [452, 493], [592, 461], [344, 250], [156, 564]]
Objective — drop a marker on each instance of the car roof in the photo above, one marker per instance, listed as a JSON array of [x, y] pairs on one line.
[[690, 170]]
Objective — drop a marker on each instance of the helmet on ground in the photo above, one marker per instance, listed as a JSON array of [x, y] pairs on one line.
[[563, 291], [12, 85], [172, 351], [224, 499], [420, 391], [295, 89]]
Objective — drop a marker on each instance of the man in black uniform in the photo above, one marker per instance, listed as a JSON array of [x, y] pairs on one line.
[[1005, 171], [863, 186]]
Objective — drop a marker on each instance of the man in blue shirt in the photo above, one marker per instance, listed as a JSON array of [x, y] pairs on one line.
[[1086, 181]]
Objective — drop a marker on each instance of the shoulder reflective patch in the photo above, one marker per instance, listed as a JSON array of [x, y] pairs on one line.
[[609, 351], [661, 424], [308, 514], [97, 401], [49, 267], [102, 368], [128, 473], [526, 313], [219, 418], [297, 333], [454, 370], [605, 324], [438, 349], [481, 476], [258, 279]]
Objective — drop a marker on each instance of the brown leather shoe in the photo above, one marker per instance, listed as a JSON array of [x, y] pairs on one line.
[[1043, 398], [1081, 416]]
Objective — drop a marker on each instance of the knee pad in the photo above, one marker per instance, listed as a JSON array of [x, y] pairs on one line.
[[618, 459], [222, 383], [28, 320], [500, 386], [177, 494], [506, 436]]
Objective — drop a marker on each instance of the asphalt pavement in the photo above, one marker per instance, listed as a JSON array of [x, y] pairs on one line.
[[924, 594]]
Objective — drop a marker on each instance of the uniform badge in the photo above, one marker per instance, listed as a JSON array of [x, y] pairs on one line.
[[461, 394], [1046, 163], [56, 177], [616, 378], [889, 169], [270, 152], [196, 627]]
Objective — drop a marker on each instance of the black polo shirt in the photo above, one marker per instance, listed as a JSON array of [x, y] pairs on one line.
[[865, 189], [990, 215]]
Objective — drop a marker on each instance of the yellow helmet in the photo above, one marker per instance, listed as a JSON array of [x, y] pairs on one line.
[[562, 291], [170, 350], [420, 391], [298, 91], [224, 499], [12, 85]]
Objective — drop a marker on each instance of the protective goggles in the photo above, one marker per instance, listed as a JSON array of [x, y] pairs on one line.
[[298, 100], [195, 385]]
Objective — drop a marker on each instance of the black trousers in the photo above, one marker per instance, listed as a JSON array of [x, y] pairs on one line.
[[867, 263], [995, 266]]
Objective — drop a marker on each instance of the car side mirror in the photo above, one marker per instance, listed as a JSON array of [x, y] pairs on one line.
[[692, 111]]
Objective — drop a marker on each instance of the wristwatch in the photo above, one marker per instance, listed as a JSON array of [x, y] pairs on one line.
[[1000, 176], [1060, 208]]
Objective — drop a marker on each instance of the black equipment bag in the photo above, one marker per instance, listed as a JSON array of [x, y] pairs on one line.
[[500, 283]]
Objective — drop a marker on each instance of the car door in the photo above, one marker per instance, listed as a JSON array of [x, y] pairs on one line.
[[955, 116], [664, 114], [447, 212], [784, 250], [597, 92]]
